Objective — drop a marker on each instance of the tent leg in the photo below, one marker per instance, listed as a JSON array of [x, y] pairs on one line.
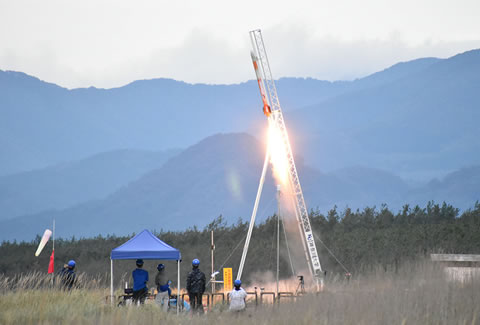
[[111, 282], [178, 286]]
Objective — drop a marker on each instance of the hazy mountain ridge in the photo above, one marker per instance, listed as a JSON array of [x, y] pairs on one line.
[[416, 120], [460, 188], [43, 124], [219, 175], [419, 122], [397, 71], [66, 184]]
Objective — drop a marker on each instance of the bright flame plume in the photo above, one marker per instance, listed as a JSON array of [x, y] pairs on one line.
[[278, 154]]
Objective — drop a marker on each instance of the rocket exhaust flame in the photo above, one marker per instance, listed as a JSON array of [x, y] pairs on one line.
[[278, 154], [280, 170]]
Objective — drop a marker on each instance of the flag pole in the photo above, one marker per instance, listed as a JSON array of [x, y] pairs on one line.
[[51, 264]]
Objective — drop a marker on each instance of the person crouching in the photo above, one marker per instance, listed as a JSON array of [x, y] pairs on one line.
[[237, 297]]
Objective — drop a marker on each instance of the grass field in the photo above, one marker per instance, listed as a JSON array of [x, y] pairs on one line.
[[416, 294]]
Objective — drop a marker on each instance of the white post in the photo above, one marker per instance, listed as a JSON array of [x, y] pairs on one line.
[[178, 286], [213, 261], [111, 282], [278, 235], [254, 214]]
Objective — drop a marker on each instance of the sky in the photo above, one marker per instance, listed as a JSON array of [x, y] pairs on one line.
[[110, 43]]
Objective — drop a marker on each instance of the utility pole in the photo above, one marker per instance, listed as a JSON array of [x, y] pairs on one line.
[[213, 275], [278, 235]]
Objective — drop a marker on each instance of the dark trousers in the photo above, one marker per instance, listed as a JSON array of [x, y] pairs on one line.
[[140, 295], [196, 302]]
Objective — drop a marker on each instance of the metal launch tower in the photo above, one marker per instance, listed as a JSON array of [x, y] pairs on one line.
[[273, 111]]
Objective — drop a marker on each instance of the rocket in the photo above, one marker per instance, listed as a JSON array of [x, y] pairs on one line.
[[266, 108]]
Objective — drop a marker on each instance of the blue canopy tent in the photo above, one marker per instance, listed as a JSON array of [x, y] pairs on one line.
[[146, 246]]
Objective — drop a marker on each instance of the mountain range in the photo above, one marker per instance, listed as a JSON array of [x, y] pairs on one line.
[[66, 184], [98, 160], [417, 124], [416, 118], [219, 176]]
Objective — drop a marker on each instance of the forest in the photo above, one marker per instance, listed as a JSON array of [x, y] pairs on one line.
[[347, 241]]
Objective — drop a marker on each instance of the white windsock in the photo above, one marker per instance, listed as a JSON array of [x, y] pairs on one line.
[[43, 242]]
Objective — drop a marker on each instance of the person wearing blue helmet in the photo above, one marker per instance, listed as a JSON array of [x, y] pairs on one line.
[[237, 297], [67, 275], [140, 279], [196, 282], [163, 287]]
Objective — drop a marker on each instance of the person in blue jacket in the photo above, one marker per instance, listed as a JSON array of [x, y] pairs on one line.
[[140, 279], [67, 275]]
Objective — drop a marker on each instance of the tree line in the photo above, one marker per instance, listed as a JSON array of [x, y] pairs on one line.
[[360, 240]]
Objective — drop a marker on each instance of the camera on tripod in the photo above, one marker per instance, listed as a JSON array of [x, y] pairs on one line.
[[301, 285]]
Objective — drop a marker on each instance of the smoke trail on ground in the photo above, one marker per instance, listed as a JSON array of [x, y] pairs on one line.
[[266, 281]]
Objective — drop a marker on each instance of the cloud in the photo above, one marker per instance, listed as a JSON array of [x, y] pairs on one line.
[[294, 50], [333, 58]]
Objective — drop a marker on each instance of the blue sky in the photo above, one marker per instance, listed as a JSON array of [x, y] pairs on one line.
[[110, 43]]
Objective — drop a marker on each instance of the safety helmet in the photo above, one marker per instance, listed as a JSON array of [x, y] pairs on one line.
[[160, 267], [71, 264], [237, 283], [196, 262], [139, 262]]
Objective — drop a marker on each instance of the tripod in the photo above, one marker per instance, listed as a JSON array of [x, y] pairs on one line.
[[301, 285]]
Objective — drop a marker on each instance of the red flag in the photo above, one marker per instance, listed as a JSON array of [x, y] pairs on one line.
[[50, 265]]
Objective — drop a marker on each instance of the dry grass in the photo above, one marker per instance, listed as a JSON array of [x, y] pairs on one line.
[[417, 294]]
